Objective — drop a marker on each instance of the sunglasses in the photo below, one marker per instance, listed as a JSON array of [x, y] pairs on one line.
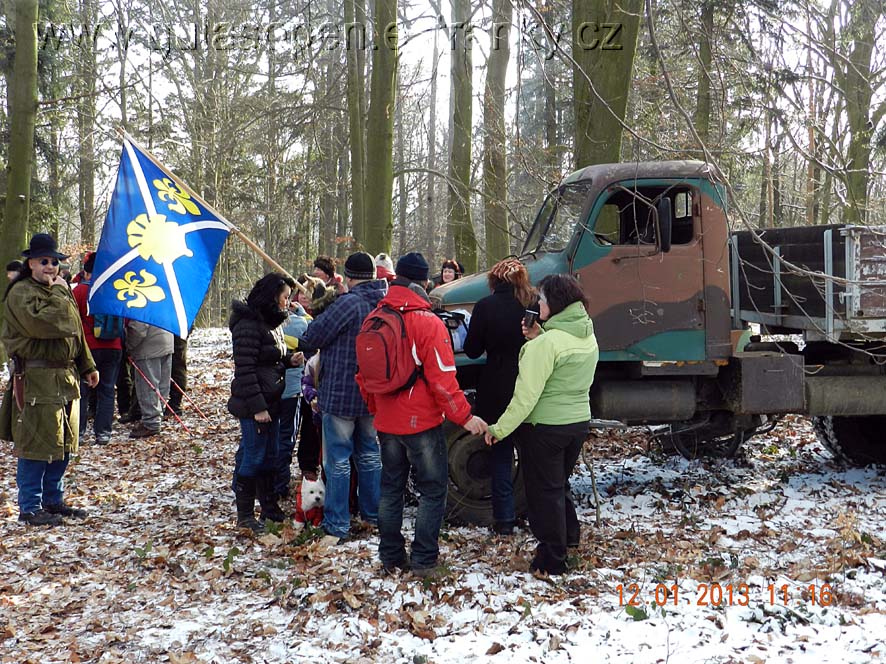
[[46, 261]]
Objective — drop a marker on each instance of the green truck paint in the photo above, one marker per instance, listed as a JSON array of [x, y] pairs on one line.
[[651, 246]]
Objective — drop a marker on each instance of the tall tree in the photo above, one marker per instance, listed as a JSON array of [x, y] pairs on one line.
[[86, 122], [380, 130], [604, 40], [494, 150], [355, 42], [460, 152], [854, 75], [23, 115]]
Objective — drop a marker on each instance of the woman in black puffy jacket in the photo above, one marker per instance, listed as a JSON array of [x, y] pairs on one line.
[[260, 362]]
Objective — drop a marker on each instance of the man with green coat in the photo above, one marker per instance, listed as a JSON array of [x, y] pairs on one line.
[[40, 411]]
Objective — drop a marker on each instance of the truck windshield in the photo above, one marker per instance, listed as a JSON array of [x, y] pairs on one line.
[[555, 222]]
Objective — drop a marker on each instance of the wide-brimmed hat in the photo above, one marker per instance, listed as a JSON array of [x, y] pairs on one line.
[[43, 244]]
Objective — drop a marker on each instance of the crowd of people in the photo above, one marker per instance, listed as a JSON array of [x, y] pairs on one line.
[[367, 435], [355, 371]]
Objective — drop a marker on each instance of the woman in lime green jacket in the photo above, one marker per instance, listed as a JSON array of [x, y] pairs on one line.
[[549, 415]]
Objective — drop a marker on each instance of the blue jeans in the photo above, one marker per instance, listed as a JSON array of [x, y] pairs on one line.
[[502, 472], [426, 452], [344, 437], [40, 483], [107, 361], [257, 452], [289, 409]]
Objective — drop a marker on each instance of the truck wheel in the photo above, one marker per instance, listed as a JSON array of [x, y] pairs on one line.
[[853, 440], [694, 445], [470, 480]]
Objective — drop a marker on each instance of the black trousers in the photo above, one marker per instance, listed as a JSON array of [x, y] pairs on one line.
[[548, 454]]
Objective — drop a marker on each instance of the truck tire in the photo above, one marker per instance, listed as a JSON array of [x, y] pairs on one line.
[[853, 440], [470, 481]]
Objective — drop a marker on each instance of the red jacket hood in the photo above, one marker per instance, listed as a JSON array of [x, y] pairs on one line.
[[404, 298]]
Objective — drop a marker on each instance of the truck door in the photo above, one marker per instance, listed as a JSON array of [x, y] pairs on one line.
[[647, 304]]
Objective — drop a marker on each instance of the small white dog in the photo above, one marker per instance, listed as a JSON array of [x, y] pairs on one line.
[[309, 503]]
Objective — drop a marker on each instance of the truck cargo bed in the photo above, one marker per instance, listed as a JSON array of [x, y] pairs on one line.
[[845, 298]]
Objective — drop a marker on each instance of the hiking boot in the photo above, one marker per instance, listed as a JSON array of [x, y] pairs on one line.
[[141, 431], [63, 509], [104, 439], [252, 524], [430, 573], [267, 498], [503, 528], [40, 518], [126, 418], [393, 569]]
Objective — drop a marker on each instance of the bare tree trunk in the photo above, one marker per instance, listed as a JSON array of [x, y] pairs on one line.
[[401, 182], [604, 34], [702, 119], [23, 114], [86, 124], [494, 147], [431, 208], [460, 155], [380, 130], [355, 20]]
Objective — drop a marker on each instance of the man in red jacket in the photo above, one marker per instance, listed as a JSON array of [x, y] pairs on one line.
[[108, 355], [410, 426]]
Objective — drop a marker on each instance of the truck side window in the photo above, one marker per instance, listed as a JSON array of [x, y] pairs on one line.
[[629, 217]]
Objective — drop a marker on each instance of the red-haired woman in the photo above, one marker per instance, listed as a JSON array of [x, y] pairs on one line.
[[495, 330]]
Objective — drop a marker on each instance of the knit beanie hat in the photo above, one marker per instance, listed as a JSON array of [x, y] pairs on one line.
[[383, 260], [413, 266], [360, 266]]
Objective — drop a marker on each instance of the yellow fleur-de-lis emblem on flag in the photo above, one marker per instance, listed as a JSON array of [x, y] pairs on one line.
[[180, 201], [137, 292], [158, 239]]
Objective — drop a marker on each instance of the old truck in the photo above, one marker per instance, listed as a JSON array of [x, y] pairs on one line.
[[676, 299]]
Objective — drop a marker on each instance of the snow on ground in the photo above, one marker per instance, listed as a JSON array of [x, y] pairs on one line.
[[775, 556]]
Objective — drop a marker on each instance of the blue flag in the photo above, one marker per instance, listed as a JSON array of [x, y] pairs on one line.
[[158, 249]]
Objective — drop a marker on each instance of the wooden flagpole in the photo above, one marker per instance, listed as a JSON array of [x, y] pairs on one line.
[[236, 231]]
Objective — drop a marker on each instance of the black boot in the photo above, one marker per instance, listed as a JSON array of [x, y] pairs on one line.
[[244, 491], [267, 498]]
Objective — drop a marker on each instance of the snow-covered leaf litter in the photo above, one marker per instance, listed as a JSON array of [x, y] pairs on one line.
[[158, 573]]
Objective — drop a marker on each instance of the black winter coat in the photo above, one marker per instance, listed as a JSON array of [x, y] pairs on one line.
[[495, 330], [259, 361]]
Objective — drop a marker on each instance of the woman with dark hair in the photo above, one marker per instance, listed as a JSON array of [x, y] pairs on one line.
[[44, 336], [260, 362], [549, 415], [495, 330], [450, 271]]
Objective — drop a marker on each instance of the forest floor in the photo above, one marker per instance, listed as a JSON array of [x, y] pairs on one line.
[[776, 556]]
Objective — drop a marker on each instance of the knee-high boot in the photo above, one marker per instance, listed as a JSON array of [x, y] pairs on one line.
[[244, 491], [267, 498]]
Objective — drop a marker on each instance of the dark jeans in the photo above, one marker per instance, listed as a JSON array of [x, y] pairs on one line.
[[309, 446], [426, 452], [289, 408], [502, 471], [107, 361], [40, 483], [547, 456], [257, 452]]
